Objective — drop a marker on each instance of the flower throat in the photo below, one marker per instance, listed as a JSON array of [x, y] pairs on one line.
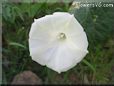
[[61, 36]]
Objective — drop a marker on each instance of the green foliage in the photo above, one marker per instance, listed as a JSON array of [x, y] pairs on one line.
[[97, 22], [17, 45], [89, 65]]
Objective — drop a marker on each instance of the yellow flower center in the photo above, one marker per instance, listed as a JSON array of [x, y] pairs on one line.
[[61, 36]]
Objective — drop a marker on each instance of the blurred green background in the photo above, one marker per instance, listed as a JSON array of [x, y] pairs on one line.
[[96, 68]]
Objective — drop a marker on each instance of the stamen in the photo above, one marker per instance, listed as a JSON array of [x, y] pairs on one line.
[[61, 36]]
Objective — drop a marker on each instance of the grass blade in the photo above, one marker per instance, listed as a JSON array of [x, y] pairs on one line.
[[89, 65], [17, 44]]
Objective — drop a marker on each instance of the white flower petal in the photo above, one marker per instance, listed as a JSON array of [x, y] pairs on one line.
[[40, 50], [74, 27], [65, 57], [57, 41], [39, 27], [80, 41]]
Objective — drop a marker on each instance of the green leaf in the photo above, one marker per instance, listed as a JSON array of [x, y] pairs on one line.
[[79, 13], [17, 44], [18, 12], [34, 9], [89, 65]]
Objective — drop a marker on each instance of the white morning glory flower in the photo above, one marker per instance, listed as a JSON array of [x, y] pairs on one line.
[[57, 41]]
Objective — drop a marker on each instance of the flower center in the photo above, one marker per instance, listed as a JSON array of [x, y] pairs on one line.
[[61, 36]]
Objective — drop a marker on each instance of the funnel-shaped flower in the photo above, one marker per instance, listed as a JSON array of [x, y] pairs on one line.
[[57, 41]]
